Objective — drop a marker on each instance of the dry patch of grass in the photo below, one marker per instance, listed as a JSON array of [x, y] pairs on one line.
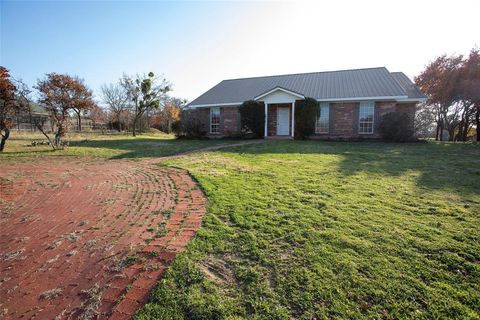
[[51, 294], [218, 269], [92, 301], [13, 255]]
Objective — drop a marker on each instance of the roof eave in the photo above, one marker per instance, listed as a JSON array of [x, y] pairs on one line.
[[413, 100], [222, 104], [376, 98]]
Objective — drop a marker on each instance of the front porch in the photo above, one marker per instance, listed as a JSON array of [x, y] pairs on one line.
[[279, 120], [279, 112]]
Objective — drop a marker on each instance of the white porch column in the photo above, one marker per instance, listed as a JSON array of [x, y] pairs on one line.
[[293, 119], [266, 120]]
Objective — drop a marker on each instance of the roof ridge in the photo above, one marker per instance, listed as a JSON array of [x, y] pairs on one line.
[[302, 73]]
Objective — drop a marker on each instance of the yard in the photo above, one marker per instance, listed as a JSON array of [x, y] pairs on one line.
[[113, 146], [317, 230]]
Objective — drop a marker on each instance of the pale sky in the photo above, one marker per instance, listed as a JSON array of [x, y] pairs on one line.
[[198, 44]]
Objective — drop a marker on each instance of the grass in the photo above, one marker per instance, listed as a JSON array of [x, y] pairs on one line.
[[315, 230], [114, 146], [318, 230]]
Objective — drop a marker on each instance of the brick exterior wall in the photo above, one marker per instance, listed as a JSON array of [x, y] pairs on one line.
[[344, 119], [272, 120], [229, 121]]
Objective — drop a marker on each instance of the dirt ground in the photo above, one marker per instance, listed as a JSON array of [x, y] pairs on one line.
[[85, 238]]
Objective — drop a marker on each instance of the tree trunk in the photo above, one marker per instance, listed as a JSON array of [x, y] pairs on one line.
[[40, 128], [441, 131], [79, 120], [135, 118], [119, 125], [451, 134], [4, 138], [465, 131], [477, 122], [58, 137]]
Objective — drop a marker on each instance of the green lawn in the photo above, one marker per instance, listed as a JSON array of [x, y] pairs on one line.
[[318, 230], [117, 146], [315, 230]]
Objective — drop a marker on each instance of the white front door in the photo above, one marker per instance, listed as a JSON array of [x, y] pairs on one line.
[[283, 120]]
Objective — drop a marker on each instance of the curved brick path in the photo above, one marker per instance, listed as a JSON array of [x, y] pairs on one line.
[[89, 238]]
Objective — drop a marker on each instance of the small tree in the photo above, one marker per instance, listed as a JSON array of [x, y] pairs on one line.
[[252, 114], [116, 99], [145, 93], [8, 105], [80, 110], [98, 116], [396, 126], [170, 113], [61, 93], [306, 114]]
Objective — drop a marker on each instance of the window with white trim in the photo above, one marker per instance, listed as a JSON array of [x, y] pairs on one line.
[[214, 120], [365, 117], [323, 121]]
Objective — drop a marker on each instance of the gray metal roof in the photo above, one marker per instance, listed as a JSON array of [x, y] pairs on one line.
[[408, 86], [330, 85]]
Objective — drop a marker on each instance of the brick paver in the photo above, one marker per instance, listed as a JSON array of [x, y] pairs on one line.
[[89, 238]]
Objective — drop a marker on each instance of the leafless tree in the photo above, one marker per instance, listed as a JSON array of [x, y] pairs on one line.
[[115, 98]]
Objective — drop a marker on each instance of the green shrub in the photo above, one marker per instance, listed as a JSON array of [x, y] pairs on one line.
[[306, 113], [396, 126], [252, 115]]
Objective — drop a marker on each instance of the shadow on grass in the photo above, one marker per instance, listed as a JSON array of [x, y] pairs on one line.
[[148, 147], [444, 166]]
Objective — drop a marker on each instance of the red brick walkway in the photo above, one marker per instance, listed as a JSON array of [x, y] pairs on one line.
[[89, 238]]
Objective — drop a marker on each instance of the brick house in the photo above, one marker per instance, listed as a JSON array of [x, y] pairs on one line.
[[351, 102]]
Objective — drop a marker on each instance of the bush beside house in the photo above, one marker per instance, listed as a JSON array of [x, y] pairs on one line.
[[188, 127], [396, 126], [252, 115], [306, 113]]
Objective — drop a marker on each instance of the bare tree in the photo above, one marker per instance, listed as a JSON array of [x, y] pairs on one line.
[[115, 97]]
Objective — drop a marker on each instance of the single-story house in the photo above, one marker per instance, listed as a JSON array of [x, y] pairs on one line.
[[352, 102]]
